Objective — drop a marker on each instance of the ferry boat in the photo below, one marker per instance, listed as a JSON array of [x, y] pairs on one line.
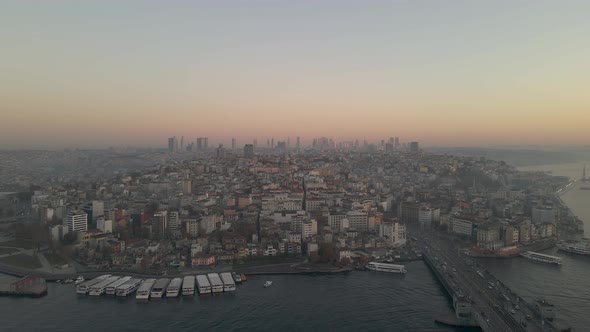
[[174, 287], [188, 286], [100, 288], [385, 267], [143, 293], [216, 283], [267, 284], [79, 280], [204, 285], [128, 288], [541, 257], [229, 285], [579, 247], [84, 287], [112, 288], [159, 288]]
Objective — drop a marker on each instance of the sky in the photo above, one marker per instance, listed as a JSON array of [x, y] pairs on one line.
[[444, 73]]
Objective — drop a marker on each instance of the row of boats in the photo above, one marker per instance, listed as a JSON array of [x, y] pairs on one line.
[[158, 288]]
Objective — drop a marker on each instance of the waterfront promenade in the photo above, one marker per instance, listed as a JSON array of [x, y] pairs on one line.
[[270, 269]]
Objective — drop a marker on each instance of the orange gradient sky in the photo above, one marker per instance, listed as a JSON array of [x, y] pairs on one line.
[[105, 73]]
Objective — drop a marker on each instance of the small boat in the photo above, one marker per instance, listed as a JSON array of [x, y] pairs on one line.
[[79, 280], [243, 276], [68, 281], [267, 284], [58, 281], [237, 278]]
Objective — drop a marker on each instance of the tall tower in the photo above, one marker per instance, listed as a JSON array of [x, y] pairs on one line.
[[233, 143]]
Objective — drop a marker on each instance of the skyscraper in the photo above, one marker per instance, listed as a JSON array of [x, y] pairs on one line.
[[233, 143], [172, 144], [248, 150], [298, 144], [202, 143], [414, 147], [182, 143], [220, 151]]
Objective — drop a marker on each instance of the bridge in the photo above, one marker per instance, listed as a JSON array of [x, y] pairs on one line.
[[478, 298]]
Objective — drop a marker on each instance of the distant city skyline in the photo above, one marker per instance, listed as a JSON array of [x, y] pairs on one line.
[[455, 73]]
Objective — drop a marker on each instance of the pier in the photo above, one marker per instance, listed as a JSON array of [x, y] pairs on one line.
[[31, 286], [479, 299]]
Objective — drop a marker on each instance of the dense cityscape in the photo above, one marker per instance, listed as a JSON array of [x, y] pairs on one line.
[[281, 165], [279, 208]]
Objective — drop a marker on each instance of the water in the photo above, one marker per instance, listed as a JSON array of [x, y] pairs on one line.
[[356, 301], [568, 286], [571, 170]]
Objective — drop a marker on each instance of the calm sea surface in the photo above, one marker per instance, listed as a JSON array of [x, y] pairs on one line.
[[356, 301]]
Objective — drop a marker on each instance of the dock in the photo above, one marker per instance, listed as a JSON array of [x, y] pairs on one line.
[[29, 286]]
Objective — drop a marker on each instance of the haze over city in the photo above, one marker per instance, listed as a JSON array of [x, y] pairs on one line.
[[443, 73]]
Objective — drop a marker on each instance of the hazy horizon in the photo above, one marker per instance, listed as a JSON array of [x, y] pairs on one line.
[[457, 73]]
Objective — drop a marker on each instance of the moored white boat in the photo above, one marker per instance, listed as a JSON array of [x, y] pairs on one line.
[[386, 267], [188, 286], [203, 284], [174, 287], [100, 288], [159, 288], [128, 288], [216, 283], [112, 288], [84, 287], [229, 285], [144, 290], [79, 280], [541, 257]]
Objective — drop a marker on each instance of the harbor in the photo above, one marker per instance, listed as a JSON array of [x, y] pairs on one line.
[[151, 288]]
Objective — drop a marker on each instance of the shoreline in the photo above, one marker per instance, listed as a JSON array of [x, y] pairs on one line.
[[275, 269]]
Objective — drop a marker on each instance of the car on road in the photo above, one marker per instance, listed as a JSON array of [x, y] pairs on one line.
[[529, 317], [517, 307], [512, 311]]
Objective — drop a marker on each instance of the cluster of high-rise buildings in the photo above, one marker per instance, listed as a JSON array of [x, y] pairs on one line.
[[393, 144]]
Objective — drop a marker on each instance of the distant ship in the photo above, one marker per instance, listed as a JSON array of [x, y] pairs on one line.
[[578, 247], [584, 188]]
